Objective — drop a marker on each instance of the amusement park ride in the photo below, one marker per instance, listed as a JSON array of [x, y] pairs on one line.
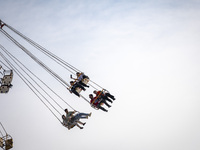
[[10, 65]]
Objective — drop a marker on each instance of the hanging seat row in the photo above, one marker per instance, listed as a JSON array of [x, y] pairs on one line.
[[5, 80], [6, 142]]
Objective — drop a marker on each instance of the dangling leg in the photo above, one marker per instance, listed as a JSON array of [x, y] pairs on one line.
[[83, 84], [82, 116], [106, 98], [80, 86], [76, 93], [81, 122], [99, 106], [79, 126], [103, 101], [109, 95]]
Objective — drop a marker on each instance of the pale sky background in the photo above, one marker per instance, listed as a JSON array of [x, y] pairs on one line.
[[146, 53]]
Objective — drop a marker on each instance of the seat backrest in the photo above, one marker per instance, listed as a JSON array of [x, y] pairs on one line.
[[7, 79], [85, 80], [9, 144], [1, 142], [4, 89], [78, 90]]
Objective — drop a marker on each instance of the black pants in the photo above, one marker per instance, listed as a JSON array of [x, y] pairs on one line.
[[83, 84], [73, 89], [109, 95], [99, 106]]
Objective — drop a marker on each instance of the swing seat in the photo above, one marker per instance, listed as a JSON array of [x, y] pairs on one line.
[[1, 142], [9, 144], [85, 81], [4, 89], [78, 90], [72, 126], [93, 106], [7, 79], [6, 142]]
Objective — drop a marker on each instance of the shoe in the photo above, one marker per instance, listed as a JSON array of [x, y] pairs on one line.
[[90, 114], [84, 123], [105, 110], [81, 127]]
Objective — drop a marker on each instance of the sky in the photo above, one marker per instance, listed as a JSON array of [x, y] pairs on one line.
[[146, 53]]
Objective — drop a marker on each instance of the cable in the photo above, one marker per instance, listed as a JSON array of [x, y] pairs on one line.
[[38, 61], [43, 50], [30, 77], [3, 128], [58, 60], [30, 85], [4, 64], [16, 60], [51, 55], [1, 133], [35, 59]]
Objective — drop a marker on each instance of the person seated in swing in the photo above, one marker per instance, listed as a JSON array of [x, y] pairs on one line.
[[81, 79], [71, 120], [104, 95], [70, 114], [67, 123], [97, 102], [74, 88]]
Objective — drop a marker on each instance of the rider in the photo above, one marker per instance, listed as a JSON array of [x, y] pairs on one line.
[[97, 102], [74, 85]]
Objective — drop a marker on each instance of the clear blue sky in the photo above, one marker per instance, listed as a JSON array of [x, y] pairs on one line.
[[146, 53]]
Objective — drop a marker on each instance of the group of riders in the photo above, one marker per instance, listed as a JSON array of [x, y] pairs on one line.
[[100, 98], [72, 118]]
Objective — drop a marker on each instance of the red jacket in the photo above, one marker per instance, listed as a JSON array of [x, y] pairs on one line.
[[92, 101], [100, 93]]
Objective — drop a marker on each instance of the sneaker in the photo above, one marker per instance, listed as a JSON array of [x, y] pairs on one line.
[[90, 114]]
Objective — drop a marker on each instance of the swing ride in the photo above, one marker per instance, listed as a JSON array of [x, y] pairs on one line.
[[6, 141], [38, 86], [5, 79]]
